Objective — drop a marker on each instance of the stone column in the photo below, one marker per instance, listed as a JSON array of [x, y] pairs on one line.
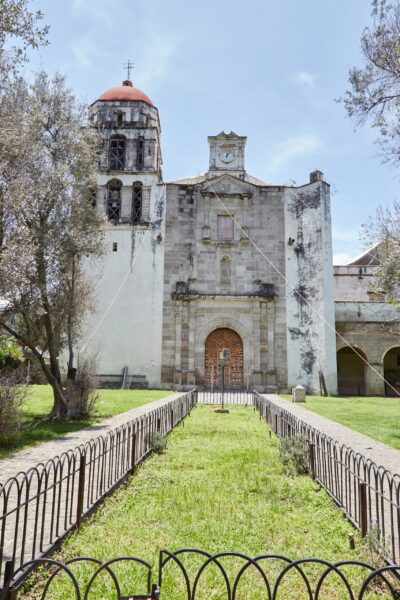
[[256, 344], [271, 343], [192, 343], [178, 342], [375, 383], [263, 342]]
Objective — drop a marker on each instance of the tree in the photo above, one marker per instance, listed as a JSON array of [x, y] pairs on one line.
[[383, 230], [374, 95], [19, 31], [49, 227]]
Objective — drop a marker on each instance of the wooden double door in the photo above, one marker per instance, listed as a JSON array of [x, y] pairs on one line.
[[215, 342]]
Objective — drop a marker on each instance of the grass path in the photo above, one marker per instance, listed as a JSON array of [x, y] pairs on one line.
[[376, 417], [40, 401], [219, 486]]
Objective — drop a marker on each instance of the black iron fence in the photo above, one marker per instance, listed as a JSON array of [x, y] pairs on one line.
[[192, 574], [368, 493], [40, 506]]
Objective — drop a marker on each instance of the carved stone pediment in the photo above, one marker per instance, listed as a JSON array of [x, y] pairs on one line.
[[226, 185]]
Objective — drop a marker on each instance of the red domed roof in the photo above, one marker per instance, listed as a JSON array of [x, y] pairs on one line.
[[126, 91]]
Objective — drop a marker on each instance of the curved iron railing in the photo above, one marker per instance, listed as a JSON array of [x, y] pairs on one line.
[[40, 506], [369, 494], [190, 573]]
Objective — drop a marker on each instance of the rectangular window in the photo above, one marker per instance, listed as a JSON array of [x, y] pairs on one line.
[[224, 228]]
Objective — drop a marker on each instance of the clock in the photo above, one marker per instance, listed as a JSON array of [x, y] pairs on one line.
[[227, 156]]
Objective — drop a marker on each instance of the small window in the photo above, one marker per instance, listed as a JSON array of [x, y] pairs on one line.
[[120, 118], [224, 228], [140, 154], [137, 198], [225, 270], [117, 153], [115, 246]]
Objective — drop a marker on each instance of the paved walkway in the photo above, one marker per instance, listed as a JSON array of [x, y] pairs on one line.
[[24, 460], [378, 452]]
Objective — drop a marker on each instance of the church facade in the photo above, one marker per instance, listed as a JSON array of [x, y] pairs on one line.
[[219, 260]]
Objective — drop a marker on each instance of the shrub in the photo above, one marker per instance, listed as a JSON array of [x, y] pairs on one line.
[[11, 355], [86, 387], [158, 442], [12, 396], [294, 454]]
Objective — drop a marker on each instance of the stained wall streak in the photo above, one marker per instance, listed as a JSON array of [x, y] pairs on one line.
[[310, 315]]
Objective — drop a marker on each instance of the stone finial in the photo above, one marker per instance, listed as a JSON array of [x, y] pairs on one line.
[[316, 176]]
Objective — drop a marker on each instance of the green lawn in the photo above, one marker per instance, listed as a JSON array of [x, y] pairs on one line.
[[219, 486], [40, 401], [374, 416]]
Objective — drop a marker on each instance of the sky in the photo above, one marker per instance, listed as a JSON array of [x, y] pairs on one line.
[[272, 70]]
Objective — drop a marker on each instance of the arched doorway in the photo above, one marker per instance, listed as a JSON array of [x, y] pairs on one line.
[[391, 371], [351, 371], [215, 342]]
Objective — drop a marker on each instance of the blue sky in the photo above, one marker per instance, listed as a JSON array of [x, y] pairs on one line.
[[268, 69]]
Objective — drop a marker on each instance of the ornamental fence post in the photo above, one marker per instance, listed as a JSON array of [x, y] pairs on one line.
[[362, 492], [81, 488]]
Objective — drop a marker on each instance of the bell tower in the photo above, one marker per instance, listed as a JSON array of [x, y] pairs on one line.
[[131, 194]]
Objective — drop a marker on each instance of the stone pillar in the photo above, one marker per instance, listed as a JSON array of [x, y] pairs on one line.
[[271, 343], [263, 342], [178, 342], [192, 343], [375, 383], [256, 344]]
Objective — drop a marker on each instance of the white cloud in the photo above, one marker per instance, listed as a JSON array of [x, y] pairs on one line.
[[292, 148], [155, 63], [345, 235], [86, 51], [306, 79], [341, 258], [96, 10]]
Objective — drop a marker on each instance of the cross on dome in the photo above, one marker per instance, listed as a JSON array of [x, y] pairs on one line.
[[128, 66]]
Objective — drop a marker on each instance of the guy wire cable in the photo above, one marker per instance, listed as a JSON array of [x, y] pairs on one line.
[[303, 299]]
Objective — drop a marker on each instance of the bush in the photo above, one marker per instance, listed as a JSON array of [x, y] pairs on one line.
[[294, 454], [12, 396], [81, 390], [86, 387], [158, 442], [11, 355]]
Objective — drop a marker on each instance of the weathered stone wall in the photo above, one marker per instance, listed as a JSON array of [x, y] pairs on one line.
[[194, 255], [372, 328]]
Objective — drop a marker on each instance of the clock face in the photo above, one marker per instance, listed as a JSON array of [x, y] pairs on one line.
[[227, 156]]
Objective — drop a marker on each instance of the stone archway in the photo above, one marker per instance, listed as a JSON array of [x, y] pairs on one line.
[[391, 371], [351, 370], [215, 342]]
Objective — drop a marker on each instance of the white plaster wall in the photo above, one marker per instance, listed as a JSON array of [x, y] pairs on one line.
[[376, 312], [353, 282], [129, 332], [311, 344]]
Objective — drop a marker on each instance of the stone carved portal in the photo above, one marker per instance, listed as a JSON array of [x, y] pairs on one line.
[[215, 342]]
